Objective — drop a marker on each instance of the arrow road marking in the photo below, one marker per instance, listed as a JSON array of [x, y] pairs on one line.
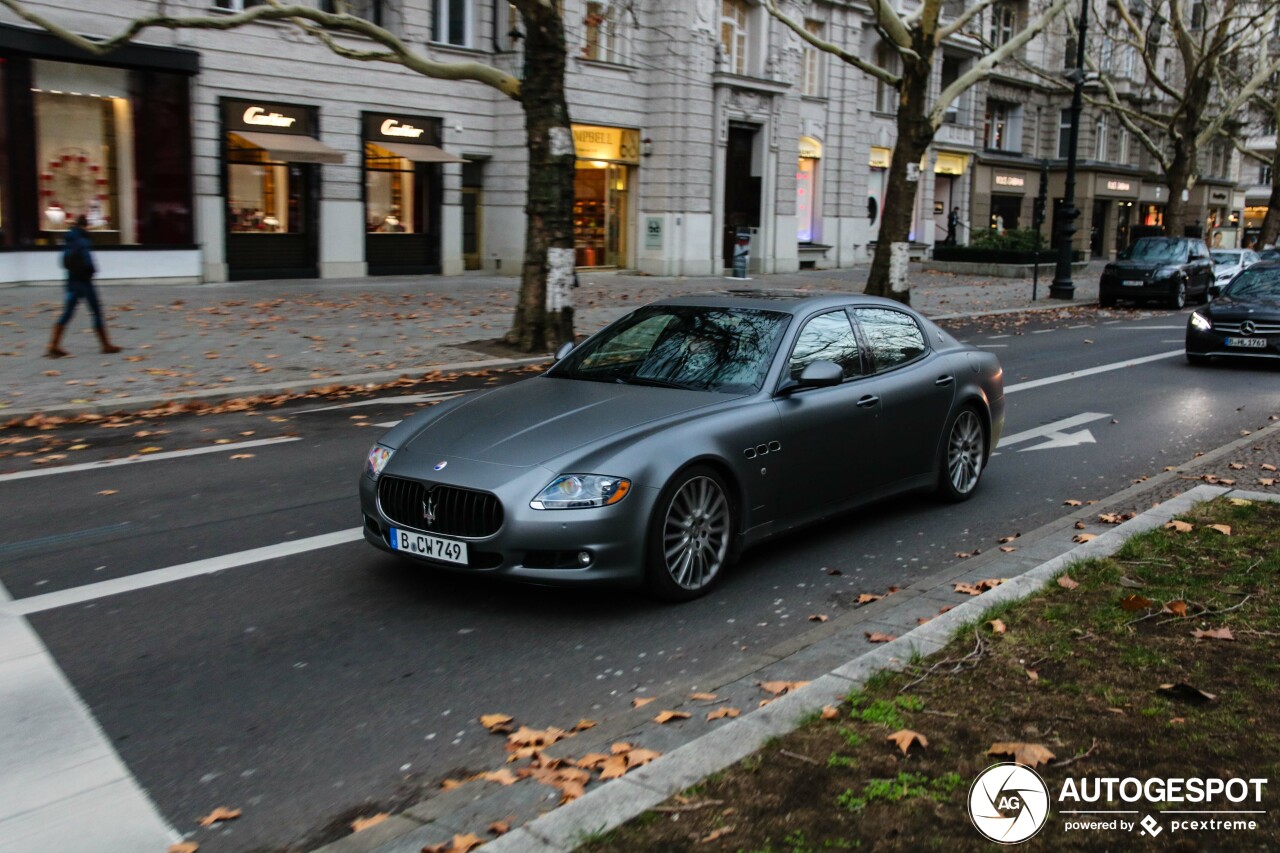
[[1056, 433]]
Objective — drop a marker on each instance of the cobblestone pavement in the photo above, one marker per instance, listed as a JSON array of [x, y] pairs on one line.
[[222, 340]]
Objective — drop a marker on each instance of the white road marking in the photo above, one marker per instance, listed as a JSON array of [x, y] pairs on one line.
[[62, 784], [998, 337], [387, 424], [1056, 433], [150, 457], [408, 398], [1164, 328], [993, 346], [1089, 371], [142, 580], [1042, 331]]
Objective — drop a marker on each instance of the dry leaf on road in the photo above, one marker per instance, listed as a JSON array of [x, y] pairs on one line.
[[582, 725], [720, 713], [703, 697], [868, 597], [503, 777], [818, 617], [1029, 754], [641, 701], [499, 827], [184, 847], [362, 823], [905, 737], [496, 723], [1072, 502], [879, 637], [667, 716], [778, 688], [218, 815], [1084, 537], [109, 492], [459, 844]]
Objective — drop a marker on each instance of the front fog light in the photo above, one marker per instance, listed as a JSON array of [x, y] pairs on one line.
[[1199, 321], [378, 458], [580, 491]]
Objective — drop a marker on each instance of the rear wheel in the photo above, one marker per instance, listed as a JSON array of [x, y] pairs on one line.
[[963, 456], [1178, 299], [690, 535]]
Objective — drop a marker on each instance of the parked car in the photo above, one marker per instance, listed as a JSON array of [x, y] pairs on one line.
[[1228, 262], [1243, 321], [679, 435], [1164, 269], [1269, 254]]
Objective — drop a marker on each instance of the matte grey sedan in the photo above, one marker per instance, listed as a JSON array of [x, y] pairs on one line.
[[664, 445]]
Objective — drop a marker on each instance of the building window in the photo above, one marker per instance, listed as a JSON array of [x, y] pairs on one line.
[[237, 5], [1123, 157], [1264, 174], [1004, 17], [806, 189], [1101, 138], [1064, 133], [602, 33], [370, 10], [733, 35], [952, 68], [814, 62], [452, 23], [886, 96], [1003, 128]]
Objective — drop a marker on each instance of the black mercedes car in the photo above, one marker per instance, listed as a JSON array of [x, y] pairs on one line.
[[1161, 269], [682, 434], [1243, 321]]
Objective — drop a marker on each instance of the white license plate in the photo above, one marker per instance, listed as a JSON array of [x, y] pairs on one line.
[[1251, 343], [1137, 283], [432, 547]]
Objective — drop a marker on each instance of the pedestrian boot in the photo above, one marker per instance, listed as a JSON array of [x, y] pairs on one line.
[[55, 349], [107, 346]]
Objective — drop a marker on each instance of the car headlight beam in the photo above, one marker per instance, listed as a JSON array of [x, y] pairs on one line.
[[581, 491], [1201, 322], [379, 456]]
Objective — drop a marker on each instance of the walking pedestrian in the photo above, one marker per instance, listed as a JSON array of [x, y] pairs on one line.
[[953, 223], [77, 258]]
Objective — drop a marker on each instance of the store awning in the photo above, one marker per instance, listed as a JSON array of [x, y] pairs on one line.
[[292, 148], [420, 153]]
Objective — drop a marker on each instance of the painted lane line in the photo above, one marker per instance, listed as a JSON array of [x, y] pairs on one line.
[[408, 398], [388, 424], [1042, 331], [62, 784], [1163, 328], [1055, 434], [1090, 371], [993, 346], [142, 580], [150, 457]]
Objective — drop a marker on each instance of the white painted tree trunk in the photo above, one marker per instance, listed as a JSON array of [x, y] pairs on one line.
[[899, 263], [559, 279]]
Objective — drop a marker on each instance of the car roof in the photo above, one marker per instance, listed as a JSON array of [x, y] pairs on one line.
[[796, 302]]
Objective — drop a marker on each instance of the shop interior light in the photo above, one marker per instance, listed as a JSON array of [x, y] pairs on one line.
[[599, 164]]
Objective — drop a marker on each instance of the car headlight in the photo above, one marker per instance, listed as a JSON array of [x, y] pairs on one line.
[[578, 491], [379, 456], [1201, 322]]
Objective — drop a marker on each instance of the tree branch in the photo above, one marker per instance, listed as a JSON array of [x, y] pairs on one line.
[[964, 18], [881, 74]]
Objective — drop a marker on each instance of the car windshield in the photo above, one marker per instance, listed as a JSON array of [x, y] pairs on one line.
[[1226, 259], [1254, 283], [1269, 255], [1167, 251], [727, 350]]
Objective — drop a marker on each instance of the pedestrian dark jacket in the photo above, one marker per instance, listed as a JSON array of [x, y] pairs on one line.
[[76, 255]]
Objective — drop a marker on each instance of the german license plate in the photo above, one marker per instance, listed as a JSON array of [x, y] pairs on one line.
[[1133, 283], [1250, 343], [431, 547]]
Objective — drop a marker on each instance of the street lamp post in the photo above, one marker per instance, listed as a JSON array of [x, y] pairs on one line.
[[1065, 221]]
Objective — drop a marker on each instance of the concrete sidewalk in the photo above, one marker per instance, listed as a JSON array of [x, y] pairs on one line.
[[222, 341]]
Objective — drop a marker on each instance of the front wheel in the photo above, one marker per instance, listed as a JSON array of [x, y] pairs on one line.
[[1179, 298], [690, 535], [963, 456]]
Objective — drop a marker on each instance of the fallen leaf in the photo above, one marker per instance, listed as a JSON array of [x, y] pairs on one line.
[[905, 737], [721, 713], [450, 784], [150, 450], [830, 712], [868, 597], [1033, 675], [879, 637], [1005, 540], [241, 455], [716, 834], [703, 697], [1066, 582], [778, 688], [1266, 481], [818, 617], [1084, 537], [1236, 466], [109, 492], [459, 844], [1185, 692], [1224, 529], [362, 823], [1241, 502], [1131, 583], [1072, 502], [499, 827], [641, 701], [571, 782], [968, 589], [1134, 603], [1080, 525], [1177, 608], [496, 723], [503, 777], [1029, 754], [583, 725], [527, 737], [990, 583], [1266, 466], [833, 572], [184, 847], [1213, 634], [997, 626], [665, 717], [1179, 526], [1007, 549], [219, 814]]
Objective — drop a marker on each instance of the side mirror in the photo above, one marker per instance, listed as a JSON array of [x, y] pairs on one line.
[[1215, 290], [565, 349], [820, 374]]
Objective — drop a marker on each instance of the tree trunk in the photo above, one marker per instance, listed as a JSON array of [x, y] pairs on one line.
[[1271, 224], [544, 307], [915, 134], [1176, 179]]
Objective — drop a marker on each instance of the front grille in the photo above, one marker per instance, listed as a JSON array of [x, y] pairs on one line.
[[464, 513], [1259, 328]]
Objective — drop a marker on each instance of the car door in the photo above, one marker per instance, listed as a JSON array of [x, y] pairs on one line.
[[916, 387], [1200, 267], [830, 436]]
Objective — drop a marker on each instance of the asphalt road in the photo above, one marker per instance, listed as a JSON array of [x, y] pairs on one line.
[[304, 685]]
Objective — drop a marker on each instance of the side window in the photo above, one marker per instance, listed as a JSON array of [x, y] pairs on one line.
[[827, 337], [892, 336]]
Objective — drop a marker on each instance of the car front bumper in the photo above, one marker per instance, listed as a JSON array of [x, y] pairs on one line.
[[1214, 342]]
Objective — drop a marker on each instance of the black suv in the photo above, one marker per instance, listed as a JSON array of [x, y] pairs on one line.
[[1164, 269]]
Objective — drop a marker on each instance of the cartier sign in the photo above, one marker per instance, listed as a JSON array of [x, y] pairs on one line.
[[266, 117], [259, 116], [391, 127], [399, 128]]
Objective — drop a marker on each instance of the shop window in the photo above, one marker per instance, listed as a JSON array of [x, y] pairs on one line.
[[1003, 128], [393, 201], [602, 30], [815, 62], [806, 185], [1005, 210], [734, 16], [370, 10], [85, 149], [263, 196], [600, 213], [453, 23]]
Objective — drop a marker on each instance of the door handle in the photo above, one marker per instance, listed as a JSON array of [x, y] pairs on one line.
[[868, 401], [944, 380]]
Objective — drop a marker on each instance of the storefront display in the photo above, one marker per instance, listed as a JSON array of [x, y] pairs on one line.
[[806, 188], [602, 184]]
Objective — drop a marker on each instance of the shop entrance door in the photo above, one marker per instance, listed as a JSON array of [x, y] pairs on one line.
[[741, 187], [472, 214], [1097, 228], [1124, 218], [272, 220], [600, 221]]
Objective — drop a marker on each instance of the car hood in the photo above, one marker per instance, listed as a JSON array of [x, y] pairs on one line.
[[1226, 308], [537, 420], [1143, 266]]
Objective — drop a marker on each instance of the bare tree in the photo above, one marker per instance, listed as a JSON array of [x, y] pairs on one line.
[[1265, 109], [1201, 66], [544, 308], [914, 39]]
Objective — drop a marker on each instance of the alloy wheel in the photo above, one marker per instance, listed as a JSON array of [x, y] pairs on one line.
[[964, 452], [695, 533], [1179, 295]]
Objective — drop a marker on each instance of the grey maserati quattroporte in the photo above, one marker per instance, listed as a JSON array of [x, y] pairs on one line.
[[664, 445]]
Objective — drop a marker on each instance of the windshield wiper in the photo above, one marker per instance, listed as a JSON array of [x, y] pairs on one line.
[[655, 383]]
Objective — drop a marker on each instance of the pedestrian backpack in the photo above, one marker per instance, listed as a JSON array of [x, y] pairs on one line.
[[78, 263]]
